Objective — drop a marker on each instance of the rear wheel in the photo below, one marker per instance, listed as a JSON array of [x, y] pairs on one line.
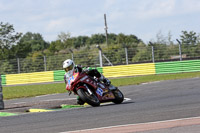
[[86, 97], [119, 97]]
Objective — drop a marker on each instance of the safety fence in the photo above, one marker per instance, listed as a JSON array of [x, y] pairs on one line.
[[109, 71], [103, 57]]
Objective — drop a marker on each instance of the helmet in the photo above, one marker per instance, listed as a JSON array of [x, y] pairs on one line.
[[68, 65]]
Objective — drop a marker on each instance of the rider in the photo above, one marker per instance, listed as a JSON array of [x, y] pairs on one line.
[[70, 68]]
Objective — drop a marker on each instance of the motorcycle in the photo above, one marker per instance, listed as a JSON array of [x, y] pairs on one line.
[[92, 91]]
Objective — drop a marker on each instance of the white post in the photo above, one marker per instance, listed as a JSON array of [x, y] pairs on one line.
[[152, 54], [72, 54], [106, 29], [126, 52], [18, 65], [152, 48], [100, 56], [45, 64], [180, 54]]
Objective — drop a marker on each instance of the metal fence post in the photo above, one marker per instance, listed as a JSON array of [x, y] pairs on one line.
[[152, 48], [72, 53], [153, 59], [126, 52], [45, 64], [100, 56], [1, 95], [18, 65], [180, 54]]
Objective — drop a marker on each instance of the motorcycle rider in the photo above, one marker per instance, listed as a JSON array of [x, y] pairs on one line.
[[70, 67]]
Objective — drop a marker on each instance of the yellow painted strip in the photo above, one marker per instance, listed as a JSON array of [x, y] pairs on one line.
[[40, 110], [129, 70], [85, 104], [27, 78]]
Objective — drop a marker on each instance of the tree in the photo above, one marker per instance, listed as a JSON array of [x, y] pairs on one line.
[[55, 46], [8, 38], [98, 39], [80, 41], [112, 38], [160, 38], [121, 38], [63, 37], [189, 43], [128, 40], [189, 38], [30, 42], [143, 53]]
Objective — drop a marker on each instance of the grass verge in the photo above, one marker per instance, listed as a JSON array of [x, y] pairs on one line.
[[11, 92], [66, 106], [151, 78], [3, 114]]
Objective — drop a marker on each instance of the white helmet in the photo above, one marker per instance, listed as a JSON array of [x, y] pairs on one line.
[[68, 65]]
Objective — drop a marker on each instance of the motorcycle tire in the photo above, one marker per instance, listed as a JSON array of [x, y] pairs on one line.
[[119, 97], [86, 97]]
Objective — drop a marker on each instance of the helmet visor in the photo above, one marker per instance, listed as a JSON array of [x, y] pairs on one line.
[[69, 68]]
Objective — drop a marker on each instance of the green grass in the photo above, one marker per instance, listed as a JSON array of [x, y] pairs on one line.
[[2, 114], [150, 78], [65, 106], [11, 92]]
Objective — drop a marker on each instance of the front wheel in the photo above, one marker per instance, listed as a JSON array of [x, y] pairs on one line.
[[119, 97], [86, 97]]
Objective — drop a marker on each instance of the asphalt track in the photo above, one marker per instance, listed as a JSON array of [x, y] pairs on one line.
[[175, 101]]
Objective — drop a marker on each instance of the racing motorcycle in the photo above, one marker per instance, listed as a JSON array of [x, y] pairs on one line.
[[92, 91]]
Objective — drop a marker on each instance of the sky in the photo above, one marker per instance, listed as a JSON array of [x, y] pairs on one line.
[[143, 18]]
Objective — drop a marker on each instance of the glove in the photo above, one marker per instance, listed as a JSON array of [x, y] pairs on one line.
[[106, 82]]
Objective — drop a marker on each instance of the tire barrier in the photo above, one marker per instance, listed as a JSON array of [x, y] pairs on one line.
[[1, 95]]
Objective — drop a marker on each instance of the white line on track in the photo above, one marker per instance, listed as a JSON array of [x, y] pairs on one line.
[[20, 103], [126, 99], [188, 121], [151, 82], [46, 95], [59, 99]]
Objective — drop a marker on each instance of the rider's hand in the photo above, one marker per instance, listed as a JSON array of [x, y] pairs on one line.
[[107, 82]]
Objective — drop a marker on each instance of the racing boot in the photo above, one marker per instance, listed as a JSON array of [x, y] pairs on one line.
[[80, 101]]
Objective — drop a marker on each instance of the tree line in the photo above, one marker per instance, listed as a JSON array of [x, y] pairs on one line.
[[30, 46]]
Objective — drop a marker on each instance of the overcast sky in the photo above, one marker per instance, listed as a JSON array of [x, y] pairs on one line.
[[143, 18]]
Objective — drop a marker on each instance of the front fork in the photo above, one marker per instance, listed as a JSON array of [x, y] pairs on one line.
[[88, 89]]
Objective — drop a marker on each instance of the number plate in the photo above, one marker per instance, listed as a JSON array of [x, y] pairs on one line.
[[99, 91]]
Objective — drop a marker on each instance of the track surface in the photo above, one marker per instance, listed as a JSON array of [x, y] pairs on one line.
[[158, 101]]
